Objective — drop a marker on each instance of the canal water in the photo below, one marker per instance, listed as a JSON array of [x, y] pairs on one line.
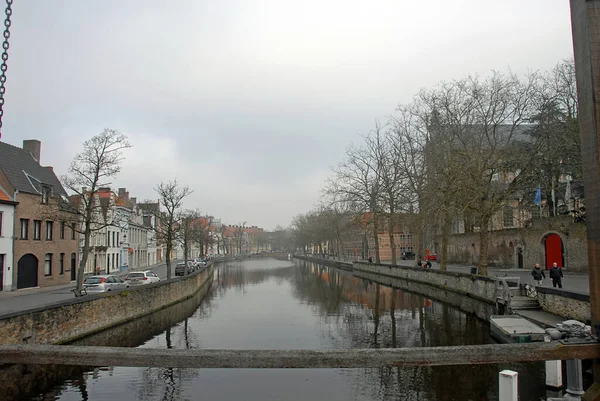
[[275, 304]]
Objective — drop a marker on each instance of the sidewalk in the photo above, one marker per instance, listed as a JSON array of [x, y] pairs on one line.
[[28, 298]]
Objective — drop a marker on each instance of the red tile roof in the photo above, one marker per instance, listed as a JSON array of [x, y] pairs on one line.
[[4, 196]]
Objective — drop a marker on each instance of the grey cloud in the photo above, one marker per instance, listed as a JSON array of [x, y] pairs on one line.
[[257, 97]]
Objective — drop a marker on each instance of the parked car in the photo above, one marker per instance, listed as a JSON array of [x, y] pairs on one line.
[[181, 269], [408, 255], [137, 278], [432, 256], [104, 283]]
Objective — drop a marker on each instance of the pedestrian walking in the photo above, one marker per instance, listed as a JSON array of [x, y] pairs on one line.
[[556, 275], [537, 274]]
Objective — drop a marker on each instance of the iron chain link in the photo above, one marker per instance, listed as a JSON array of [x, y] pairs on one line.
[[3, 65]]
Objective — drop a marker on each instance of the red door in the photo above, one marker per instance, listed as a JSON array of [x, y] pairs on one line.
[[554, 250]]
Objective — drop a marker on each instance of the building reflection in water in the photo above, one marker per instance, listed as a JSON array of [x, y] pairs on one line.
[[295, 305]]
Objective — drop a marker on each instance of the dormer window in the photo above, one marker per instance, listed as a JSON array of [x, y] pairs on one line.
[[45, 194]]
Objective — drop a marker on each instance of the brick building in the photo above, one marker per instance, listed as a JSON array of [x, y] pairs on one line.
[[45, 248]]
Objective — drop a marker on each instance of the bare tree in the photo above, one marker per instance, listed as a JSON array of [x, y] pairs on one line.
[[238, 236], [187, 230], [479, 150], [90, 170], [557, 141], [392, 180], [171, 196], [409, 144], [357, 183]]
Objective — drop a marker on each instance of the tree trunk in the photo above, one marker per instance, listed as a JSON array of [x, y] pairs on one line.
[[484, 236], [393, 317], [446, 225], [376, 239], [418, 240], [376, 317], [185, 253], [85, 252], [391, 234], [169, 249]]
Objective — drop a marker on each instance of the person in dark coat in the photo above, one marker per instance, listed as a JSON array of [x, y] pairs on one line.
[[556, 275], [537, 274]]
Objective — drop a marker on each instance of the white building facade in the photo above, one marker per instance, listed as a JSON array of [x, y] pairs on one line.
[[7, 226]]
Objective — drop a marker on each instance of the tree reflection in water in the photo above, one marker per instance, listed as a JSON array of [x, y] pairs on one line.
[[375, 316], [349, 312]]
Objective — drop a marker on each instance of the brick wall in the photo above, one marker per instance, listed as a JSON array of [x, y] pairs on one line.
[[68, 320], [31, 208], [504, 245]]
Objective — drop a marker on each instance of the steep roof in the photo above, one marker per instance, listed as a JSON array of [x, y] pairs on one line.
[[25, 173], [5, 197]]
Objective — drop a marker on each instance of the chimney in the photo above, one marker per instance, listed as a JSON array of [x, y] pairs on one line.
[[124, 195], [134, 201], [34, 147]]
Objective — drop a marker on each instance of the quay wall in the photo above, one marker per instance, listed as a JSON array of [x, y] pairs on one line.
[[567, 304], [66, 321]]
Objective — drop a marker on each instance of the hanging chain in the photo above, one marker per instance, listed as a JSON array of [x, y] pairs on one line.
[[4, 66]]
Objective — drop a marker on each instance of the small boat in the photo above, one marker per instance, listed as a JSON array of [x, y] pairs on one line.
[[515, 329]]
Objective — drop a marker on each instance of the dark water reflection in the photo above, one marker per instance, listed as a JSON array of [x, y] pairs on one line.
[[270, 304]]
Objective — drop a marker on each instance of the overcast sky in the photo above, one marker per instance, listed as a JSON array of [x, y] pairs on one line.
[[250, 102]]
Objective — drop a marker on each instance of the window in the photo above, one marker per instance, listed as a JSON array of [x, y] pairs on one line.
[[62, 263], [24, 228], [73, 261], [0, 224], [48, 265], [508, 217], [118, 239], [62, 230], [118, 266], [108, 238], [37, 229], [113, 261], [49, 230], [113, 238], [45, 194], [73, 231]]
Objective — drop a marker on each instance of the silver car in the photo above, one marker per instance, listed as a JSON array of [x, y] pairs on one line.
[[138, 278], [104, 283]]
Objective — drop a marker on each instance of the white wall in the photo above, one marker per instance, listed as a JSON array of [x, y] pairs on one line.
[[6, 244]]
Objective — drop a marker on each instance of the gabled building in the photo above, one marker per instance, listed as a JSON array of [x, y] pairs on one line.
[[149, 213], [7, 237], [138, 238], [111, 221], [44, 246]]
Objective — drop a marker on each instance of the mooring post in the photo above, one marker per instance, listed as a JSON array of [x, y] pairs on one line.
[[574, 380], [508, 386], [554, 378], [585, 24]]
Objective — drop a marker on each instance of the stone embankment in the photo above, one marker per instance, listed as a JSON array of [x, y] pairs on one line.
[[567, 304], [79, 317]]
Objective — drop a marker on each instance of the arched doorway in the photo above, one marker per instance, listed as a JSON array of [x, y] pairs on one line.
[[520, 257], [27, 271], [554, 250]]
